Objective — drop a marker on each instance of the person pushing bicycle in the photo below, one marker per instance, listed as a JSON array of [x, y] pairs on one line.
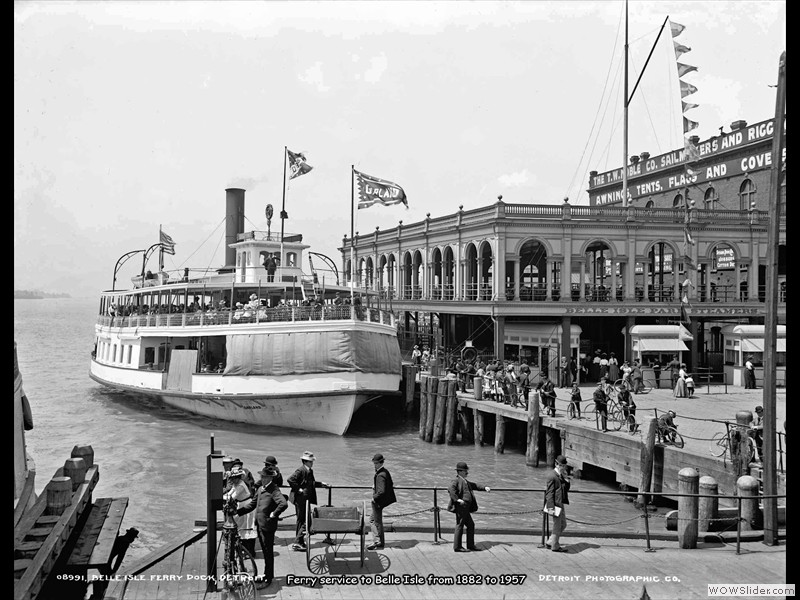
[[665, 422]]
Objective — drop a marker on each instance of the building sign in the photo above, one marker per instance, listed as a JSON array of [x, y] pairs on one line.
[[726, 168], [724, 258], [716, 145], [694, 311]]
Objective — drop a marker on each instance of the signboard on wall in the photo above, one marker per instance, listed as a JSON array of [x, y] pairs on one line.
[[724, 259]]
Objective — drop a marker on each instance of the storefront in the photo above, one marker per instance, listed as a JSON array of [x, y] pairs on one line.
[[744, 341], [540, 345], [657, 344]]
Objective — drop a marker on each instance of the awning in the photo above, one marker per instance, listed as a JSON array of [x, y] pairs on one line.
[[752, 345], [757, 344], [659, 345]]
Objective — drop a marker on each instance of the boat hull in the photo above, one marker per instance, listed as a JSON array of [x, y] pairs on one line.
[[305, 408]]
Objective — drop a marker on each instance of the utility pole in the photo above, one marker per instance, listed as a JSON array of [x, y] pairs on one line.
[[771, 320]]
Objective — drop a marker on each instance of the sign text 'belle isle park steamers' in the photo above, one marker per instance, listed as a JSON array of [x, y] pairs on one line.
[[708, 172]]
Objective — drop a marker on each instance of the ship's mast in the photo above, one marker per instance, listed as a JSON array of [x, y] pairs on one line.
[[625, 120]]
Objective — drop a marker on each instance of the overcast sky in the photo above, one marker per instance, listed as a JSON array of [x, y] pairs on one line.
[[128, 115]]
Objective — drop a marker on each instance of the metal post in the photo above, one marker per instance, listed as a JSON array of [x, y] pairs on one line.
[[435, 517], [647, 528], [738, 524]]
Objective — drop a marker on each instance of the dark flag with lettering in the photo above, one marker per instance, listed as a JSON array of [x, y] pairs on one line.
[[372, 190], [297, 164]]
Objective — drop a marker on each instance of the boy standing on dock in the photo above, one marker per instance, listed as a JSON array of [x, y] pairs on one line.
[[463, 504]]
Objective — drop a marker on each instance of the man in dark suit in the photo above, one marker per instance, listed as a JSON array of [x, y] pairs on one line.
[[303, 491], [463, 503], [269, 503], [555, 498], [382, 496]]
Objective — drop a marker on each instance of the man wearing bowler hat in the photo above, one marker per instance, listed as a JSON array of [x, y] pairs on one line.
[[463, 504], [555, 498], [382, 496], [303, 492], [271, 461], [269, 503]]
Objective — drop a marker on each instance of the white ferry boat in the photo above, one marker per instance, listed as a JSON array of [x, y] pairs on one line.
[[283, 349]]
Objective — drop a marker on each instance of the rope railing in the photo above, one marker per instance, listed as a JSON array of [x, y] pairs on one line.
[[436, 509]]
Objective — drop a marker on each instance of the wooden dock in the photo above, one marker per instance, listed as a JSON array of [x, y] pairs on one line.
[[510, 566], [444, 411]]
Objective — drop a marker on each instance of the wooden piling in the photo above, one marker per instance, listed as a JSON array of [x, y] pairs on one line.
[[467, 431], [86, 453], [59, 495], [646, 458], [747, 488], [433, 393], [409, 376], [440, 410], [75, 469], [477, 388], [741, 452], [532, 450], [451, 413], [707, 507], [500, 434], [423, 404], [551, 436], [478, 435], [688, 483]]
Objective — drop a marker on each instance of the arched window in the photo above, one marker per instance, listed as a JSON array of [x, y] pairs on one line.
[[677, 202], [710, 199], [747, 194], [650, 204]]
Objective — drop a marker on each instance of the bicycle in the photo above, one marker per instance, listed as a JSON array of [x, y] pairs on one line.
[[644, 389], [239, 571], [669, 436], [722, 442]]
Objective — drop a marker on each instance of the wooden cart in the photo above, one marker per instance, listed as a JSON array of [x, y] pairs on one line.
[[334, 522]]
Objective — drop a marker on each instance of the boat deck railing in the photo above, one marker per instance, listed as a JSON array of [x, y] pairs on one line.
[[246, 315]]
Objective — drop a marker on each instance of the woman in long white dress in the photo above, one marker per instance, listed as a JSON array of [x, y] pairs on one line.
[[241, 493]]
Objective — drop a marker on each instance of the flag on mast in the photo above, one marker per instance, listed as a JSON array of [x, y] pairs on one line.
[[167, 243], [297, 164], [373, 190]]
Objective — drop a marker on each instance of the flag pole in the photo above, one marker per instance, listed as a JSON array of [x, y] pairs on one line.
[[160, 254], [283, 211], [352, 228]]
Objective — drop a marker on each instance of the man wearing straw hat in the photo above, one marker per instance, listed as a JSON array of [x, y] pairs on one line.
[[303, 492], [555, 497]]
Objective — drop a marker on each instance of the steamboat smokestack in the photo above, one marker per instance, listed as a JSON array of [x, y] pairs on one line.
[[234, 223]]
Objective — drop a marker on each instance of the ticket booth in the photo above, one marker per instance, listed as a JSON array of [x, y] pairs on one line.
[[540, 345], [658, 344], [743, 341]]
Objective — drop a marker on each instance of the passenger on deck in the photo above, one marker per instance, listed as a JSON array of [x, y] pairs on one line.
[[220, 368]]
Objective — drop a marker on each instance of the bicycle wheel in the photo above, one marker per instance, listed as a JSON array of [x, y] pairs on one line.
[[718, 444], [242, 587], [616, 418], [677, 438], [571, 410], [245, 561]]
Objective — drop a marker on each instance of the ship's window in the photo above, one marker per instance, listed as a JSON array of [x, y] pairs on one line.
[[149, 355], [291, 259], [747, 194]]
